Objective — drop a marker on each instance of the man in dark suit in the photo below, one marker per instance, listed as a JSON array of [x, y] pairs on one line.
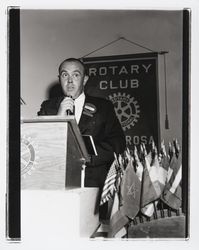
[[94, 116]]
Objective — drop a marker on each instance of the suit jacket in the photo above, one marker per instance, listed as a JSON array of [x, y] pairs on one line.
[[99, 120]]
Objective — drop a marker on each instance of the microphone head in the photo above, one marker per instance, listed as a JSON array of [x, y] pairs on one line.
[[69, 105]]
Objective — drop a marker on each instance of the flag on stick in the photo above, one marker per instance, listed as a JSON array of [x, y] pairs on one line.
[[149, 209], [153, 169], [164, 165], [170, 170], [130, 191], [139, 166], [127, 202], [117, 224], [172, 194], [111, 182], [117, 220], [148, 192]]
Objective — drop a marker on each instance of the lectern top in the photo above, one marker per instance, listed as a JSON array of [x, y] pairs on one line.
[[48, 118]]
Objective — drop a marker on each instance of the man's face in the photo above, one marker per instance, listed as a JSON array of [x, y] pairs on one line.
[[72, 79]]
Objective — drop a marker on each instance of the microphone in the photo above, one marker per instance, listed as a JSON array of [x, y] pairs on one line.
[[69, 105]]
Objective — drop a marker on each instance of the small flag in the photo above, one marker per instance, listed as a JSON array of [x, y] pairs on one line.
[[177, 147], [139, 166], [163, 166], [153, 168], [148, 192], [126, 202], [154, 174], [170, 156], [109, 184], [117, 224], [149, 209], [172, 194], [112, 181], [130, 191], [117, 220]]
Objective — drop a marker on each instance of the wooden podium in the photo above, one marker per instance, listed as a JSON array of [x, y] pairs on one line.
[[52, 155]]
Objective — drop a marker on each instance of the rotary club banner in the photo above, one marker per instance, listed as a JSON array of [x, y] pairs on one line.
[[131, 83]]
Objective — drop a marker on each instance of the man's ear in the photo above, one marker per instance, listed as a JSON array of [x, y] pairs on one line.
[[85, 79]]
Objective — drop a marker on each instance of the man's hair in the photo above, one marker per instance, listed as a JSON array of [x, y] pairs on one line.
[[73, 60]]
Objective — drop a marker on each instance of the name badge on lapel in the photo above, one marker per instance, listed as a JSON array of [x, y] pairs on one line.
[[89, 109]]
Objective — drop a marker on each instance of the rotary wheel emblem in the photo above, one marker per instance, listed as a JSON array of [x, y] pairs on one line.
[[28, 156], [127, 109]]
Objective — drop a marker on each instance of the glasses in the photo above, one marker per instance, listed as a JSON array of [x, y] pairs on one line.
[[74, 76]]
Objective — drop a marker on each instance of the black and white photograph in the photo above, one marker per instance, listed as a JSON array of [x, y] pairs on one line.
[[98, 125]]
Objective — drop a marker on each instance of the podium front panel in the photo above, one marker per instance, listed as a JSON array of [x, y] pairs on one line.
[[43, 155], [52, 153]]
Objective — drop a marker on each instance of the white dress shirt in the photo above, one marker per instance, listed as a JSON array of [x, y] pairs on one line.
[[79, 103]]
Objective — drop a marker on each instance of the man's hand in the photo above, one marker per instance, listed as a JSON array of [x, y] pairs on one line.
[[66, 105]]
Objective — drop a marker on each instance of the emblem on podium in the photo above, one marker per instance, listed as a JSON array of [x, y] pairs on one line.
[[29, 158]]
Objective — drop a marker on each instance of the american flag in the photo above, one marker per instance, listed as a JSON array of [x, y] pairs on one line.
[[111, 182]]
